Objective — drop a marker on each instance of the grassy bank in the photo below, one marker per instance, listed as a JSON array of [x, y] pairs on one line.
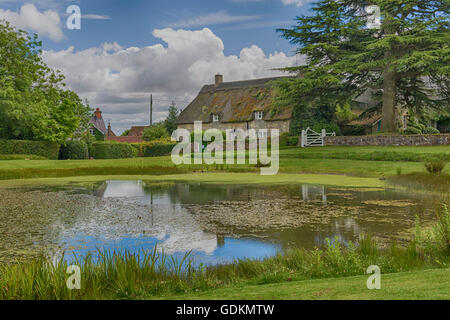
[[154, 275], [356, 161], [211, 177], [431, 182], [417, 285]]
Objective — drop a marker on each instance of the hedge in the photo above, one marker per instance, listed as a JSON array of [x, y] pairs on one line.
[[111, 150], [158, 150], [21, 157], [44, 149], [74, 150]]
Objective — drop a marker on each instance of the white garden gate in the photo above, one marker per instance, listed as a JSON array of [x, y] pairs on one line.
[[310, 138]]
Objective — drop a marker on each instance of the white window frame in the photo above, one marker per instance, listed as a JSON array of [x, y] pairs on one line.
[[262, 133], [215, 118], [259, 115]]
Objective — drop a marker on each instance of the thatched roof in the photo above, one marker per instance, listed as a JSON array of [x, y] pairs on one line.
[[233, 102]]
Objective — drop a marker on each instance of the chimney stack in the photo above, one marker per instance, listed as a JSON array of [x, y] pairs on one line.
[[219, 79], [98, 113]]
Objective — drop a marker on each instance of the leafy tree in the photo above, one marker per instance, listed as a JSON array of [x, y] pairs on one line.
[[404, 62], [155, 132], [33, 101], [125, 133], [171, 120]]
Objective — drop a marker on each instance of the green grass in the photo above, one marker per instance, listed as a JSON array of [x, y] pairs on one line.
[[212, 177], [292, 160], [418, 285], [432, 182]]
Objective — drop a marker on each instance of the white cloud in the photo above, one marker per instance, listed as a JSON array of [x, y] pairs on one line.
[[46, 24], [119, 80], [95, 17], [214, 18], [298, 3]]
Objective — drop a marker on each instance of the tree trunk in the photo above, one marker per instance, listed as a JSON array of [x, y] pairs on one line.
[[388, 120]]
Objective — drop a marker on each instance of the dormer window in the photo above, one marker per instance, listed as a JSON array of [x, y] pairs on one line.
[[258, 115], [215, 118]]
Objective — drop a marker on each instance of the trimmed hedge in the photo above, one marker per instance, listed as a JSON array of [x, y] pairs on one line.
[[21, 157], [158, 150], [74, 150], [111, 150], [44, 149]]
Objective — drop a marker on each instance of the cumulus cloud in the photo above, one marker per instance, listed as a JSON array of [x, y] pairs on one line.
[[46, 24], [119, 80]]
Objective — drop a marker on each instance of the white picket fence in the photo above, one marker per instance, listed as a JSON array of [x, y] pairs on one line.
[[310, 138]]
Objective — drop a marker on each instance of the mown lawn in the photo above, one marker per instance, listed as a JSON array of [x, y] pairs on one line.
[[332, 160], [417, 285]]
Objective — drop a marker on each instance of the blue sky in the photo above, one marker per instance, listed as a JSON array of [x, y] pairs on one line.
[[127, 49]]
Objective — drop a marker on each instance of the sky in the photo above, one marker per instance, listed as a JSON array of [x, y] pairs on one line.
[[126, 50]]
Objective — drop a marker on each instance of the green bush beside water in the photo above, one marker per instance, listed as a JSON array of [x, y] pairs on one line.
[[44, 149], [74, 150], [111, 150], [21, 157], [158, 150]]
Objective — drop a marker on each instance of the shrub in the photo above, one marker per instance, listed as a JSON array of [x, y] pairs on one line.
[[328, 126], [431, 130], [155, 132], [110, 150], [158, 150], [412, 130], [21, 157], [139, 148], [284, 139], [292, 140], [74, 150], [45, 149], [435, 166]]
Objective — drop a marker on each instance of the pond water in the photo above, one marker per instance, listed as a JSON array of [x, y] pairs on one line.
[[217, 223]]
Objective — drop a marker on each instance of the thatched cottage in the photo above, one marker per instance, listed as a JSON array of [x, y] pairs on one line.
[[235, 105]]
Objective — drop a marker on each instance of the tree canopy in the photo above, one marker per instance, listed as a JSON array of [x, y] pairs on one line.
[[404, 62], [171, 120], [155, 132], [34, 103]]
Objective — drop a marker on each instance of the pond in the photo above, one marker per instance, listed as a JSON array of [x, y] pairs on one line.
[[217, 223]]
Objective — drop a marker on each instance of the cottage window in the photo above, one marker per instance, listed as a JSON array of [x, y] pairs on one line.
[[262, 133], [258, 115], [215, 118], [92, 131]]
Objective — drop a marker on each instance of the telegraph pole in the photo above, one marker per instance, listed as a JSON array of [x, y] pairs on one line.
[[151, 109]]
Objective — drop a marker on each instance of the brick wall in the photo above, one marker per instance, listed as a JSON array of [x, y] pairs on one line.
[[394, 140]]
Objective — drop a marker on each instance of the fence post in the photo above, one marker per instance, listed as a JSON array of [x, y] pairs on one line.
[[303, 138], [324, 134]]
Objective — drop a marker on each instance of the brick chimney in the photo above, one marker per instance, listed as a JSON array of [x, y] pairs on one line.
[[219, 79], [98, 113]]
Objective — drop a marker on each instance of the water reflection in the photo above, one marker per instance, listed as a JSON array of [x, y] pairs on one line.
[[217, 223]]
